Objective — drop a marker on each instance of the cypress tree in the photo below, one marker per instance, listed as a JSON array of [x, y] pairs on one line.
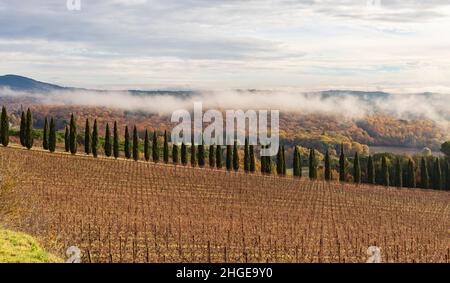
[[95, 139], [284, 160], [411, 175], [23, 125], [146, 146], [263, 163], [447, 175], [67, 139], [116, 150], [52, 136], [4, 133], [127, 143], [135, 144], [155, 148], [201, 154], [235, 157], [184, 159], [87, 138], [424, 178], [45, 135], [229, 158], [193, 153], [279, 161], [398, 173], [370, 171], [211, 156], [219, 156], [73, 135], [246, 156], [385, 171], [327, 166], [296, 163], [252, 165], [108, 145], [175, 158], [29, 130], [437, 178], [312, 165], [342, 174], [356, 169], [268, 164], [166, 148]]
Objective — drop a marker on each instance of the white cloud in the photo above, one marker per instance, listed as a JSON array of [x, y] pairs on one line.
[[244, 44]]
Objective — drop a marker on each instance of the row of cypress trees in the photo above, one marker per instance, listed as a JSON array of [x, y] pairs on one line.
[[404, 176], [435, 174]]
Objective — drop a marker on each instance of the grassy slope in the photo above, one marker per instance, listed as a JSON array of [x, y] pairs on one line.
[[17, 247]]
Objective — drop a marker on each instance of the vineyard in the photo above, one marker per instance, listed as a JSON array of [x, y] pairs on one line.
[[127, 211]]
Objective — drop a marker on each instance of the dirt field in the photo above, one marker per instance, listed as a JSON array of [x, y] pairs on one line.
[[126, 211]]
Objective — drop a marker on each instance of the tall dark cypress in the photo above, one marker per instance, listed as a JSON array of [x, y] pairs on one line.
[[437, 175], [95, 139], [268, 164], [87, 137], [107, 146], [356, 169], [52, 136], [229, 158], [193, 153], [252, 165], [246, 156], [370, 171], [127, 143], [166, 148], [135, 144], [424, 177], [45, 135], [411, 174], [398, 173], [263, 162], [4, 132], [29, 132], [67, 139], [23, 125], [279, 161], [312, 165], [296, 163], [201, 154], [146, 146], [327, 166], [116, 150], [385, 171], [219, 156], [342, 173], [235, 157], [211, 156], [175, 158], [73, 135], [283, 156], [155, 148], [184, 158], [447, 175]]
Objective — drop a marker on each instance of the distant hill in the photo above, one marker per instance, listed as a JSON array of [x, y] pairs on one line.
[[20, 83]]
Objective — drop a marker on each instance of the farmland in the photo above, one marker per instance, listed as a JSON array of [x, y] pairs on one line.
[[127, 211]]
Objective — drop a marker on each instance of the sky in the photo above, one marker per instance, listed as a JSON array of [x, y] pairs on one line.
[[396, 45]]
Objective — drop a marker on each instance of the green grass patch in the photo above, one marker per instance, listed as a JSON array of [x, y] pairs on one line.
[[18, 247]]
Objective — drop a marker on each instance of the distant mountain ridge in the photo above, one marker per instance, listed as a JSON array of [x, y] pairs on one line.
[[24, 84]]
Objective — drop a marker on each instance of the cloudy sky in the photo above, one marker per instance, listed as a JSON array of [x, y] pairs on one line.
[[399, 45]]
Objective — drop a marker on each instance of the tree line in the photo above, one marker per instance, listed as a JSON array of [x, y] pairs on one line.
[[433, 174]]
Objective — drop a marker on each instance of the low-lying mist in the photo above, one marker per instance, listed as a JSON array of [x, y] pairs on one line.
[[432, 106]]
